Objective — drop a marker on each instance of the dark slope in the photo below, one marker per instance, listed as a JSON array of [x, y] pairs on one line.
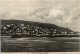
[[44, 25]]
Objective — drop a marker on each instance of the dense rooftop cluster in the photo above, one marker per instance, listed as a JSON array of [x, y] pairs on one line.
[[30, 30]]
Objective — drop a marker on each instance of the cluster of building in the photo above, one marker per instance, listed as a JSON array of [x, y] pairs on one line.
[[30, 30]]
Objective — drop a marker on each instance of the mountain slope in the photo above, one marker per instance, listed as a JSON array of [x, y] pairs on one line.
[[44, 25]]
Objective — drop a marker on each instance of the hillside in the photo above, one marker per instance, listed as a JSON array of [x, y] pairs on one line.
[[44, 25]]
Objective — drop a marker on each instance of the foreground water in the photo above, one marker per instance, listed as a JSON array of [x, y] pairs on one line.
[[40, 44]]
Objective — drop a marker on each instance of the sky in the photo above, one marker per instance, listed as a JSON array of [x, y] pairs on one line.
[[63, 13]]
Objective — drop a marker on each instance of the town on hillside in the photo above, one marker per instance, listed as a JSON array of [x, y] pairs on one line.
[[22, 30]]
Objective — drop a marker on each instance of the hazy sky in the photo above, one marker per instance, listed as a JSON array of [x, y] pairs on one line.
[[64, 13]]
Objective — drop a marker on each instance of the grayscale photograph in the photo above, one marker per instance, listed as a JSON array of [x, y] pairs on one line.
[[40, 25]]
